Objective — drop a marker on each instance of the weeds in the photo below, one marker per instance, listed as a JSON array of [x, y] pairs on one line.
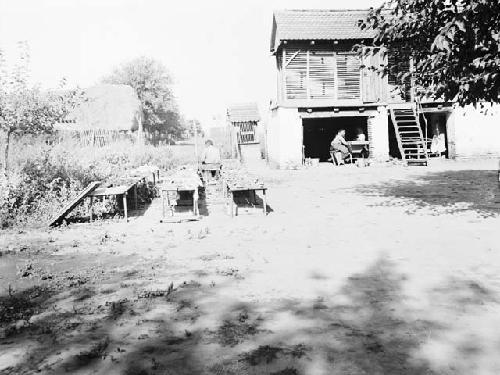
[[44, 178]]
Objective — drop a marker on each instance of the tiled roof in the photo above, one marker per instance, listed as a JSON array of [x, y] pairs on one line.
[[318, 25], [243, 112]]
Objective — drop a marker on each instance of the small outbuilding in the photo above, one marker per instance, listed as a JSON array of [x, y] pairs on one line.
[[244, 119]]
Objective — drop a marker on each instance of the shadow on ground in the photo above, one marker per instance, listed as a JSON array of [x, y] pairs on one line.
[[365, 327], [449, 191]]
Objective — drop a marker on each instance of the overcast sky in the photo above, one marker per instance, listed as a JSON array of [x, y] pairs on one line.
[[216, 50]]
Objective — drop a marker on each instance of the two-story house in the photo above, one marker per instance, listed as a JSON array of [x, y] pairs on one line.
[[323, 85]]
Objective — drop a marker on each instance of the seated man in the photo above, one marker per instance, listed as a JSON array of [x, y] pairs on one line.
[[211, 155], [339, 144]]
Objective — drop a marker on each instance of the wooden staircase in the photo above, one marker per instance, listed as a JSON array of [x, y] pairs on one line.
[[411, 142]]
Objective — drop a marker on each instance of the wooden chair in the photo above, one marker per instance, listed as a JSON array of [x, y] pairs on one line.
[[336, 157]]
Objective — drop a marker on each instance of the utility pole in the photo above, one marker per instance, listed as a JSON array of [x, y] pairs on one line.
[[193, 124]]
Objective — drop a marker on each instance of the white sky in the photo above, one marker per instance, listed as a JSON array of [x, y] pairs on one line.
[[216, 50]]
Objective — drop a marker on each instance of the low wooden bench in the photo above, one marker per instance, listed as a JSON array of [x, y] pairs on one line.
[[232, 188], [182, 181], [116, 191], [170, 194], [146, 172]]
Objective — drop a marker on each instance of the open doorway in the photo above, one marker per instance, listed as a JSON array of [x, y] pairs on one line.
[[435, 132], [319, 133], [432, 124]]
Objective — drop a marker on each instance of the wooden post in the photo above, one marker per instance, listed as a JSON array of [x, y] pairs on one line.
[[163, 204], [125, 210], [195, 202], [308, 86], [231, 196], [498, 171], [135, 197], [91, 211], [283, 78], [412, 80], [264, 201], [193, 123]]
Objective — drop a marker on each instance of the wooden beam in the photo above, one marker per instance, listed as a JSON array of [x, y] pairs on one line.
[[283, 76], [308, 86], [338, 113], [291, 58], [57, 220]]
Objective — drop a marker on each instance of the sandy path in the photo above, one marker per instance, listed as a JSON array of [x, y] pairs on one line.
[[380, 270]]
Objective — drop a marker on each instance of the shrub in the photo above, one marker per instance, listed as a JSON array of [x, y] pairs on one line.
[[46, 177]]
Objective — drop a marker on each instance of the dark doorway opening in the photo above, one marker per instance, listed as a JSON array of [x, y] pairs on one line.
[[318, 133], [433, 124], [436, 127]]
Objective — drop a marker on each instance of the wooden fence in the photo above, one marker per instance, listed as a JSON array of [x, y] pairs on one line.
[[95, 137]]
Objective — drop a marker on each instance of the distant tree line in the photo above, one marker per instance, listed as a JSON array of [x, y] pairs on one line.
[[153, 85]]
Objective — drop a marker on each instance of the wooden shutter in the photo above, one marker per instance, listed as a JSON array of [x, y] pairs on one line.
[[374, 82], [399, 64], [348, 76], [321, 74], [295, 68], [247, 132]]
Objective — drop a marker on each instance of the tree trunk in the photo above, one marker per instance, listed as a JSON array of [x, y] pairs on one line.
[[6, 153]]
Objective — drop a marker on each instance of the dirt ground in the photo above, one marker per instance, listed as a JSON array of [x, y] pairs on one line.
[[378, 270]]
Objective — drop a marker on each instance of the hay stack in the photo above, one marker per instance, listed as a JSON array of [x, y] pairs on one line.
[[109, 107]]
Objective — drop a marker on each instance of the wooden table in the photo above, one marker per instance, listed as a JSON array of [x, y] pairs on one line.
[[145, 172], [170, 194], [235, 187], [207, 169], [121, 190], [357, 148]]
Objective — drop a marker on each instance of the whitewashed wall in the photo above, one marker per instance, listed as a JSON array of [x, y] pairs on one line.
[[378, 134], [284, 138], [475, 131]]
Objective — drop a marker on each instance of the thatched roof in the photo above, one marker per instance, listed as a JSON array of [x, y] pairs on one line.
[[109, 107]]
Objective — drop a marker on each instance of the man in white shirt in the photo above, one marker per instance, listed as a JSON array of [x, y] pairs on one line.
[[211, 154], [339, 144]]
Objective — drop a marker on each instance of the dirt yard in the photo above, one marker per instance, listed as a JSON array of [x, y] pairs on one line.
[[378, 270]]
